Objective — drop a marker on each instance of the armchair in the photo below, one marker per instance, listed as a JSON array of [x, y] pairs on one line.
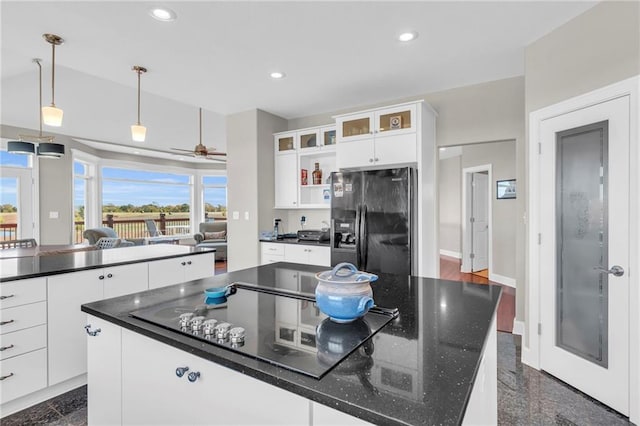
[[93, 235], [213, 234]]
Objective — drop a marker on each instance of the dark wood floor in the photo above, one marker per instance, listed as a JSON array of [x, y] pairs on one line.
[[221, 267], [450, 270]]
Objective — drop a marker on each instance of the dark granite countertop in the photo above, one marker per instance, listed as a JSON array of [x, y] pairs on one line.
[[38, 266], [297, 241], [423, 364]]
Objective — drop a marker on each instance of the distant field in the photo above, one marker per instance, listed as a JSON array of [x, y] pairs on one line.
[[13, 217], [8, 217]]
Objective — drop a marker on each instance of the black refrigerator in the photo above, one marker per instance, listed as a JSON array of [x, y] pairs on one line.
[[373, 220]]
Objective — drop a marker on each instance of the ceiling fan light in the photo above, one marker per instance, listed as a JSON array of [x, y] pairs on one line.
[[52, 116], [138, 132], [50, 150], [20, 147]]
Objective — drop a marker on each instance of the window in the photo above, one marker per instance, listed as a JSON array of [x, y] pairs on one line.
[[17, 218], [131, 196], [82, 185], [214, 190]]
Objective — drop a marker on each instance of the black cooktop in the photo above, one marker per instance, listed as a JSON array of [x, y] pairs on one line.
[[287, 330]]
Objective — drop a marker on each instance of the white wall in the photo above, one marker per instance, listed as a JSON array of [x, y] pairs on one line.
[[450, 172]]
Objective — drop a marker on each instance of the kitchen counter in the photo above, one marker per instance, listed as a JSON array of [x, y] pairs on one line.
[[423, 366], [53, 264], [297, 241]]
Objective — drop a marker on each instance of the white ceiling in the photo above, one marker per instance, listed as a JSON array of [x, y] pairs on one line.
[[218, 55]]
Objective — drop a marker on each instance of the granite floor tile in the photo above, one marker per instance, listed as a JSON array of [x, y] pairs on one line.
[[40, 414], [71, 401]]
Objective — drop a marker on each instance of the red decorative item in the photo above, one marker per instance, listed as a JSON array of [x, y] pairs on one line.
[[303, 177]]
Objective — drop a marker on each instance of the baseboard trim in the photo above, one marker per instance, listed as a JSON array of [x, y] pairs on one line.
[[511, 282], [31, 399], [518, 327], [450, 253]]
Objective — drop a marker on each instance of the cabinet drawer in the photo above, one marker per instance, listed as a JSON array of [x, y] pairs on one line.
[[21, 292], [26, 373], [23, 341], [22, 317], [272, 249]]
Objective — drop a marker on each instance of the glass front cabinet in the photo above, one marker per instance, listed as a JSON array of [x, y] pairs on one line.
[[376, 123]]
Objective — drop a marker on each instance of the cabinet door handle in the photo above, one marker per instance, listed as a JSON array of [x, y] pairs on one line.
[[375, 159], [183, 263], [189, 262], [6, 377], [295, 202], [4, 348], [181, 370], [101, 277], [91, 333], [371, 160], [6, 322], [109, 275], [7, 296], [193, 376]]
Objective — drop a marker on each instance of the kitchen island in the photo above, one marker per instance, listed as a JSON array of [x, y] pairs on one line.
[[43, 348], [435, 363]]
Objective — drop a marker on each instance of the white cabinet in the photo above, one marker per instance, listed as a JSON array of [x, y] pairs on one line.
[[380, 137], [272, 253], [326, 416], [23, 338], [207, 393], [104, 362], [286, 173], [294, 185], [178, 270], [296, 253], [67, 345], [310, 255]]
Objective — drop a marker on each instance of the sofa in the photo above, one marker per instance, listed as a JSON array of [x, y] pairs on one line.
[[213, 234], [94, 234]]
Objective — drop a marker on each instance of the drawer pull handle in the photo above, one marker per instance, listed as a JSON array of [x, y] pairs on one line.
[[4, 348], [109, 275], [183, 263], [101, 277], [189, 262], [193, 376], [7, 296], [6, 322], [6, 377], [91, 333], [181, 370]]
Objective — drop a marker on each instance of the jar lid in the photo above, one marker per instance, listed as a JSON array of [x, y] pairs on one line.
[[346, 273]]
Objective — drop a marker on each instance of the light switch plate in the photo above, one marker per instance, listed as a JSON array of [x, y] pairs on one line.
[[53, 215], [236, 215], [246, 215]]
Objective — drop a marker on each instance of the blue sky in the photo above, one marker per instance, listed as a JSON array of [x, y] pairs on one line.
[[8, 191]]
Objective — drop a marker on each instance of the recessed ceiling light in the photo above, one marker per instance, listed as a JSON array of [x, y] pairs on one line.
[[136, 152], [443, 148], [277, 75], [163, 14], [408, 36]]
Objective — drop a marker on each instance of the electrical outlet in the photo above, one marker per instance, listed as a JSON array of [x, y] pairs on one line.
[[236, 215], [246, 215]]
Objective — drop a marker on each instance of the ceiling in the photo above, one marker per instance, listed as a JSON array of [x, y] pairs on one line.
[[218, 55]]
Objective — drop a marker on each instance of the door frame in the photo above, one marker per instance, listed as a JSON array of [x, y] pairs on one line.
[[466, 210], [531, 344]]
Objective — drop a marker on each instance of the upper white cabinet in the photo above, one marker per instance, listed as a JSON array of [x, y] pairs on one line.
[[378, 137], [296, 155]]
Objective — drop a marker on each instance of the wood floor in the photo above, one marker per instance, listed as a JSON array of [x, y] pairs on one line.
[[450, 270]]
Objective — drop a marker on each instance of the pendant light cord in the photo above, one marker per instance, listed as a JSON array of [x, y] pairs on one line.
[[138, 71], [53, 74], [37, 61], [200, 119]]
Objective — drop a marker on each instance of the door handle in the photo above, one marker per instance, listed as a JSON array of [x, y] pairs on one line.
[[616, 270]]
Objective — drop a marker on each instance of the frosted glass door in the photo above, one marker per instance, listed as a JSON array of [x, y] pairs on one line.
[[582, 240]]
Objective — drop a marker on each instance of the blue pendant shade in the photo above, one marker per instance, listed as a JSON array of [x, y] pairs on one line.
[[50, 150], [19, 147]]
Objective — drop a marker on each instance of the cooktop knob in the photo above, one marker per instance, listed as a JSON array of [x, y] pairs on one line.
[[209, 327], [185, 319], [196, 323], [222, 330], [236, 334]]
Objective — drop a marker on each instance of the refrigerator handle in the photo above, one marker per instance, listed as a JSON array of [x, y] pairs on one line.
[[364, 234], [358, 237]]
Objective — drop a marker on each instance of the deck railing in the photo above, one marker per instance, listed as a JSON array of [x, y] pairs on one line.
[[125, 228]]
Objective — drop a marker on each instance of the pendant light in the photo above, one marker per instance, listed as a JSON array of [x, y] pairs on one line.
[[138, 131], [52, 115], [43, 145]]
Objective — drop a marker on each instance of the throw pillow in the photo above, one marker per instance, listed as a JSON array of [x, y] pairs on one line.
[[222, 235]]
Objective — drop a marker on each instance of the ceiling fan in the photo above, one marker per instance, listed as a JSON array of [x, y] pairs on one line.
[[202, 151]]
